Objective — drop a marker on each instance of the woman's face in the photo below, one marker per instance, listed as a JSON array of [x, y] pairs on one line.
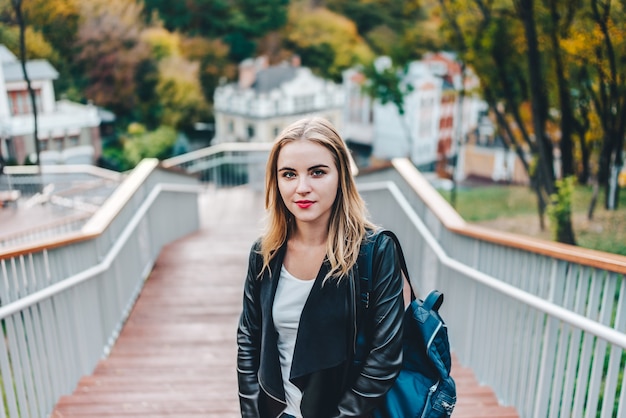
[[307, 181]]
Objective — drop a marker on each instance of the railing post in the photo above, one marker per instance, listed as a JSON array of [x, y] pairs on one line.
[[548, 352]]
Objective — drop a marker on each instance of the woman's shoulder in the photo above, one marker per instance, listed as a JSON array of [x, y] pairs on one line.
[[256, 245], [377, 235], [255, 249]]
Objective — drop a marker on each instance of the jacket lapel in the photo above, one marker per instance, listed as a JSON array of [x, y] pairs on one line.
[[270, 375], [323, 333]]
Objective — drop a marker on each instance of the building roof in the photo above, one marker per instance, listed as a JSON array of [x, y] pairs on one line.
[[271, 78], [36, 69], [6, 55]]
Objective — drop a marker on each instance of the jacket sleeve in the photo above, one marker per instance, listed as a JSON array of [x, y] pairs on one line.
[[383, 364], [249, 341]]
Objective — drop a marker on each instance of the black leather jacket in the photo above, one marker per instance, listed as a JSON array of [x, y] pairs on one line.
[[322, 367]]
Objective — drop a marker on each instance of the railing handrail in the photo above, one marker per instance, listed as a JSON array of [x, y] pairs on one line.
[[592, 327], [64, 169], [453, 222], [215, 149], [103, 265], [99, 220], [109, 210]]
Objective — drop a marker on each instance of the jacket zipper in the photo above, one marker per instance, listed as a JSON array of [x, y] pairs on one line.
[[427, 406]]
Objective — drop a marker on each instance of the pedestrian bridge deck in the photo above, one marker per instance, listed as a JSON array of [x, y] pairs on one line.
[[176, 354]]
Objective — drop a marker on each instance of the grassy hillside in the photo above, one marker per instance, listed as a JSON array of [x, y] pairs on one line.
[[514, 209]]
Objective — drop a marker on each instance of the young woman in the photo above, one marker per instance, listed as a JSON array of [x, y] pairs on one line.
[[297, 330]]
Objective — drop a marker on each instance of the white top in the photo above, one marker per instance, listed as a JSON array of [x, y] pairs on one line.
[[291, 295]]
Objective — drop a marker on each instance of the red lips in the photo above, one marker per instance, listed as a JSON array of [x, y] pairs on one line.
[[303, 204]]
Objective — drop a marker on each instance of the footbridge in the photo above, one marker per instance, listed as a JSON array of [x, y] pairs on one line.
[[133, 310]]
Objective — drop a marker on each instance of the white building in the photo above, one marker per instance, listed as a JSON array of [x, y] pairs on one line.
[[432, 117], [358, 111], [268, 98], [62, 125]]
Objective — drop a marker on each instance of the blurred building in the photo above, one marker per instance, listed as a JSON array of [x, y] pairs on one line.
[[435, 121], [266, 99], [67, 132]]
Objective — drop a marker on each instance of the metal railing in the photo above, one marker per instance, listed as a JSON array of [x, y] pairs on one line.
[[30, 180], [63, 301], [542, 324], [70, 194], [226, 165]]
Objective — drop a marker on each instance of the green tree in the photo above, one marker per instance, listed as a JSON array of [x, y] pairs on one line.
[[595, 48], [109, 53], [251, 21], [214, 63], [386, 83], [180, 94], [140, 143], [609, 93], [327, 42], [50, 33], [208, 18], [501, 41], [396, 28]]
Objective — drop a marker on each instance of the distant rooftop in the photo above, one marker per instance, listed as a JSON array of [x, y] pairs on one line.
[[6, 55], [271, 78], [37, 69]]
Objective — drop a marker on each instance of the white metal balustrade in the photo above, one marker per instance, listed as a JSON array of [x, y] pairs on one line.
[[68, 194], [542, 324], [63, 302]]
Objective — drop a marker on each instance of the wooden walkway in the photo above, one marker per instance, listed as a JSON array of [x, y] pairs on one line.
[[176, 355]]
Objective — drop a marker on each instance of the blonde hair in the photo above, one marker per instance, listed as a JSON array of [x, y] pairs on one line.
[[348, 219]]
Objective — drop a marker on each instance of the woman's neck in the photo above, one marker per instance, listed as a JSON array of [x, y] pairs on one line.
[[310, 235]]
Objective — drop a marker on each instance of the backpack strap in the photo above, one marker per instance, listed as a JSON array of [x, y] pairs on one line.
[[363, 290], [433, 301], [365, 284], [366, 265]]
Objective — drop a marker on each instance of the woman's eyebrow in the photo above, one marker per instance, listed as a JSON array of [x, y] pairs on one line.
[[318, 166], [313, 167]]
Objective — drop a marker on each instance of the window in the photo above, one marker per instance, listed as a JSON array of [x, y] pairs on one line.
[[304, 103], [231, 127], [250, 131], [19, 102], [73, 140]]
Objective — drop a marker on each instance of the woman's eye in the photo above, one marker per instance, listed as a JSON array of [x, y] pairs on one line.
[[288, 174], [318, 173]]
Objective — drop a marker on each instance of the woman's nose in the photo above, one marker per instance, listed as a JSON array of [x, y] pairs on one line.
[[303, 185]]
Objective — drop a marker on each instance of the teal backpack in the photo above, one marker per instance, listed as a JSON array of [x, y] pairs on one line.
[[424, 387]]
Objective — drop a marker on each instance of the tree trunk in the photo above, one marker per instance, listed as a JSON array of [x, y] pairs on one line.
[[593, 202], [567, 116], [538, 96], [545, 167], [17, 7], [565, 232], [613, 109]]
